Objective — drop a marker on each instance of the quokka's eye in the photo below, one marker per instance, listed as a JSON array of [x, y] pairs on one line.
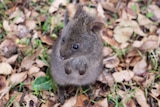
[[63, 39], [75, 46]]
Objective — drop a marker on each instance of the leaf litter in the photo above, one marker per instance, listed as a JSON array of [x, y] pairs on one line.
[[131, 75]]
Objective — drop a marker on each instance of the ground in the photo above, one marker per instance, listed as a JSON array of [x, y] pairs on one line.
[[131, 76]]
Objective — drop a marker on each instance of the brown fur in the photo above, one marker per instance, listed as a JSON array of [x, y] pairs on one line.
[[83, 65]]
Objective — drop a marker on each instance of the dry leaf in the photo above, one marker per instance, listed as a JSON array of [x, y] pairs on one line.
[[33, 69], [144, 21], [70, 102], [8, 48], [111, 62], [149, 80], [155, 10], [125, 23], [6, 26], [106, 78], [31, 98], [150, 43], [122, 34], [3, 83], [5, 68], [140, 67], [55, 5], [156, 90], [100, 11], [124, 75], [18, 78], [46, 39], [81, 99], [102, 103], [12, 59], [107, 51], [31, 24], [139, 95]]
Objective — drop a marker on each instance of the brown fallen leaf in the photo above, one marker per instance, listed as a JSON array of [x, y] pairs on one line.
[[102, 103], [31, 24], [55, 5], [3, 83], [31, 98], [150, 43], [81, 99], [33, 69], [140, 67], [70, 102], [122, 34], [155, 10], [8, 48], [106, 78], [124, 75], [17, 78], [5, 68], [111, 62], [6, 26], [140, 97], [28, 61], [144, 21], [107, 51], [149, 81], [100, 11], [155, 91], [12, 59], [46, 39]]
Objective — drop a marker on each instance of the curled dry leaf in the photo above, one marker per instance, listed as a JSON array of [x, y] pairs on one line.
[[6, 26], [46, 39], [5, 68], [111, 62], [144, 21], [18, 78], [124, 75], [140, 67], [140, 97], [106, 78], [70, 102]]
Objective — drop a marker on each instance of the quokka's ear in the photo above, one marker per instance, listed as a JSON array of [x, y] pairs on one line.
[[66, 18], [79, 10], [96, 26]]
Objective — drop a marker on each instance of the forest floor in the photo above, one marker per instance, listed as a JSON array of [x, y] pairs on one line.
[[131, 76]]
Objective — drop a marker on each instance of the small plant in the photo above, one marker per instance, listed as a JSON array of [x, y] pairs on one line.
[[149, 15]]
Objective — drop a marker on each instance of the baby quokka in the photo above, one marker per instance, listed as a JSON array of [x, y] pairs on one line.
[[76, 57]]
